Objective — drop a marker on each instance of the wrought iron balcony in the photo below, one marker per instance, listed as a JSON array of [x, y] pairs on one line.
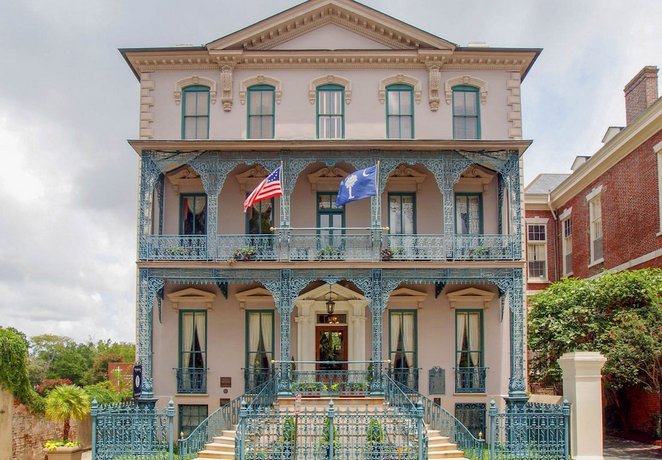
[[330, 244], [191, 380], [470, 379]]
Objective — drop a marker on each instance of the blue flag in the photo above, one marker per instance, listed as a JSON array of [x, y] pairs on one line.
[[358, 185]]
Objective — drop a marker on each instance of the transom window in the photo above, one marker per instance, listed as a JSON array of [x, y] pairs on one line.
[[537, 251], [261, 110], [466, 112], [595, 216], [330, 112], [567, 246], [468, 213], [193, 213], [399, 112], [195, 112]]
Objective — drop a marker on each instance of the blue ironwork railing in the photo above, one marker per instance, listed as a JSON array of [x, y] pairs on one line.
[[132, 430], [338, 243], [191, 380], [470, 379], [224, 418], [331, 382], [440, 419], [255, 377], [530, 431], [405, 376]]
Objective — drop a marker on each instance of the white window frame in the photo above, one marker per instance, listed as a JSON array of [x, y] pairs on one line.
[[657, 148], [565, 218], [594, 201], [538, 221]]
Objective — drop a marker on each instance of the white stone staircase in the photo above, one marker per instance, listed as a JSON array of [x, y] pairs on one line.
[[223, 447]]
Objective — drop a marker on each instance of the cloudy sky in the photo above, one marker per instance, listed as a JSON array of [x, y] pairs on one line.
[[68, 102]]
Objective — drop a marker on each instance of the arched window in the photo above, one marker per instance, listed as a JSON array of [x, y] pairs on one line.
[[261, 109], [195, 112], [399, 112], [330, 112], [466, 112]]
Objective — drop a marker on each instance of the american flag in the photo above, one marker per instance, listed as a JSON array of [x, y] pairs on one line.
[[268, 188]]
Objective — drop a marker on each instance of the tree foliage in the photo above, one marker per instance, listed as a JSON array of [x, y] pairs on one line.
[[14, 369], [617, 314], [66, 402]]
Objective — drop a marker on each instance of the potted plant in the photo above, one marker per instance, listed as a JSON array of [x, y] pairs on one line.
[[374, 439], [390, 253], [64, 403], [329, 252], [244, 253], [478, 252]]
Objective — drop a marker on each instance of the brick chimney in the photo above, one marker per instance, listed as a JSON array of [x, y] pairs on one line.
[[640, 93]]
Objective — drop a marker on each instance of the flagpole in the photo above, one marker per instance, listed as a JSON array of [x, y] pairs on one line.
[[376, 211]]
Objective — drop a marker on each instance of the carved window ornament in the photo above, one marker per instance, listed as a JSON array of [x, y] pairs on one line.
[[434, 85], [191, 297], [405, 175], [184, 176], [326, 178], [195, 80], [470, 297], [407, 297], [258, 296], [249, 179], [469, 81], [329, 80], [400, 79], [260, 80]]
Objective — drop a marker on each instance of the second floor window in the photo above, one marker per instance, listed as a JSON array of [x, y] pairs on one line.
[[402, 213], [537, 251], [595, 217], [468, 213], [330, 220], [195, 112], [399, 112], [260, 218], [330, 112], [466, 113], [261, 112], [567, 246], [193, 214]]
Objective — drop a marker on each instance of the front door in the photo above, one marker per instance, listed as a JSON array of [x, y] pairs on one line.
[[331, 348]]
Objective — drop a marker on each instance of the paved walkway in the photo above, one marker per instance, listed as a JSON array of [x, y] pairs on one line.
[[618, 448]]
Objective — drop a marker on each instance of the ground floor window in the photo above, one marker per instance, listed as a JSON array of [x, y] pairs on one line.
[[403, 347], [472, 415], [190, 416], [259, 346]]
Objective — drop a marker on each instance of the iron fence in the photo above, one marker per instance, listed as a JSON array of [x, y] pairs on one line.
[[470, 379], [132, 431], [530, 431]]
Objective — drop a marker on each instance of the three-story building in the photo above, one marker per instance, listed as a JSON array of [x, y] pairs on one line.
[[424, 279]]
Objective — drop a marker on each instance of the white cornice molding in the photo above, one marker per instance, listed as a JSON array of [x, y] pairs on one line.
[[466, 80], [195, 80], [537, 220], [400, 79], [260, 80], [329, 80], [619, 147], [567, 212], [597, 190]]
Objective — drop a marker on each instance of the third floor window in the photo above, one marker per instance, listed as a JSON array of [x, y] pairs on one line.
[[330, 112], [261, 112], [466, 113], [399, 112], [195, 112], [468, 213]]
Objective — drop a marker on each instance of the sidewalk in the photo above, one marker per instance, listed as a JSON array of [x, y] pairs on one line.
[[618, 448]]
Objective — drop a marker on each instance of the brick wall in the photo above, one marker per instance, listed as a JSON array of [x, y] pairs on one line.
[[640, 93], [630, 210], [643, 409]]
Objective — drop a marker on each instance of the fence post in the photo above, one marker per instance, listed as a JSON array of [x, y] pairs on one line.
[[171, 434], [419, 417], [493, 414], [93, 412], [242, 430], [566, 428], [331, 414]]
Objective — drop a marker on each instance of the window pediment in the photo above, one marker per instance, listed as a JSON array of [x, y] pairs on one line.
[[470, 296], [477, 175], [407, 296], [260, 80], [329, 80], [195, 80], [255, 296], [405, 175], [469, 81], [183, 176], [400, 79], [191, 297], [326, 178], [249, 179]]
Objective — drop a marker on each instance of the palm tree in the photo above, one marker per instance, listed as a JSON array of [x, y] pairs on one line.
[[66, 402]]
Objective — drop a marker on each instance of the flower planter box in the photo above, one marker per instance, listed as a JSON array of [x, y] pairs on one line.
[[64, 453]]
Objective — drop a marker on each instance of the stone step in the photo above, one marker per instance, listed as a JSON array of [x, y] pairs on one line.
[[215, 454], [339, 402], [223, 439], [218, 447], [447, 454]]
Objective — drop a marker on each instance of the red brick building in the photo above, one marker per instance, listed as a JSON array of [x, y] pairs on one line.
[[606, 214]]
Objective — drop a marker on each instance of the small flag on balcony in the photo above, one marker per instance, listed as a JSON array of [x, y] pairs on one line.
[[268, 188], [358, 185]]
